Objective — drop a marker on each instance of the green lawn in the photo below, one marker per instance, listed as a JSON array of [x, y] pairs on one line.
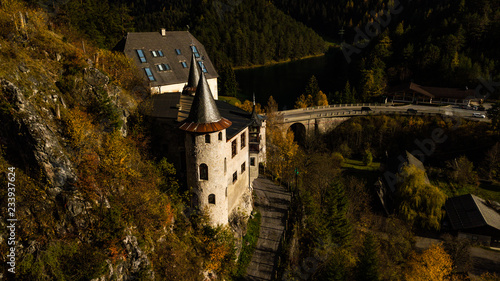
[[249, 242], [357, 169], [230, 100], [485, 191], [359, 165]]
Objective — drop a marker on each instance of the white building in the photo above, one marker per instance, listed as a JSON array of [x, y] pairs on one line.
[[215, 147]]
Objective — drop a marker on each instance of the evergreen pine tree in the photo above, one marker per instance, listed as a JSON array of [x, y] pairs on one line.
[[367, 268], [338, 226]]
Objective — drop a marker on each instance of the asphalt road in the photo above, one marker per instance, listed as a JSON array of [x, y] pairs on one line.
[[316, 112]]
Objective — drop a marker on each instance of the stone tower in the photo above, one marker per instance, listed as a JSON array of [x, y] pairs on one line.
[[205, 143]]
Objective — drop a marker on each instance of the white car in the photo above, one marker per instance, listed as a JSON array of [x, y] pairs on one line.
[[478, 115]]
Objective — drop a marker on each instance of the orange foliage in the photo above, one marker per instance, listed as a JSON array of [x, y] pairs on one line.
[[433, 264]]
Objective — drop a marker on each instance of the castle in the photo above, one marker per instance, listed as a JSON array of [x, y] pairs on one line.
[[216, 147]]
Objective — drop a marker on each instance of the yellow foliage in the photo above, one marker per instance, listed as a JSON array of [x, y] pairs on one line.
[[217, 253], [433, 264], [248, 106], [321, 99], [282, 152], [421, 202], [119, 67]]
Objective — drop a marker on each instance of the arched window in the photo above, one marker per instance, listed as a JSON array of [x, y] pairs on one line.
[[203, 172], [211, 199], [220, 135], [207, 138]]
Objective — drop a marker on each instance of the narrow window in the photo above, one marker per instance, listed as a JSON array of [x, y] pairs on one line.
[[184, 64], [225, 165], [211, 199], [243, 167], [149, 74], [154, 53], [252, 161], [203, 172], [207, 138], [235, 176], [233, 148], [243, 140], [220, 135], [160, 53], [178, 51], [160, 67], [140, 53]]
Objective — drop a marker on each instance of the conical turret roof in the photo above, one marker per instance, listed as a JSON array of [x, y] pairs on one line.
[[194, 73], [204, 116], [256, 120]]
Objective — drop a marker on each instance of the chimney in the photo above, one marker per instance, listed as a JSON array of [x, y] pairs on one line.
[[163, 32]]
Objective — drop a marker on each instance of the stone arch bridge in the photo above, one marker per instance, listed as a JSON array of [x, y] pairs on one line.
[[320, 119]]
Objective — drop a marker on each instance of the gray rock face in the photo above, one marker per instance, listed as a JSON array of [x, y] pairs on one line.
[[45, 146]]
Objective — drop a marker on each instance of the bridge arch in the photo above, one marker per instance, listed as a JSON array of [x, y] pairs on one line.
[[299, 132]]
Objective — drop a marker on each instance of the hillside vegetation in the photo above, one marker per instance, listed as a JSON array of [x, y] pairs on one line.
[[91, 201], [238, 32]]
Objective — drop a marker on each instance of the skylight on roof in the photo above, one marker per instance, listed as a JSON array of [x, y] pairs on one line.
[[195, 51], [157, 53], [140, 53], [184, 64], [202, 65], [163, 67], [178, 51], [149, 74]]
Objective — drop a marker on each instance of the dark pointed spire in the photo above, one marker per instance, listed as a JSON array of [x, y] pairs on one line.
[[256, 120], [204, 116], [194, 73]]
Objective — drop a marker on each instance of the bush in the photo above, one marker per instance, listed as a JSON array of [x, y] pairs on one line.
[[368, 158]]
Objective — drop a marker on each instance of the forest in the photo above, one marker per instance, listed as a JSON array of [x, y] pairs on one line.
[[435, 43], [340, 230], [231, 34]]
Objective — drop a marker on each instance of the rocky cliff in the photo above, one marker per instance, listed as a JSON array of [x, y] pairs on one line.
[[92, 200]]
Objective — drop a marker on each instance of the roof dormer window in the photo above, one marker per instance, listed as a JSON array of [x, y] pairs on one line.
[[184, 64], [178, 51], [142, 58]]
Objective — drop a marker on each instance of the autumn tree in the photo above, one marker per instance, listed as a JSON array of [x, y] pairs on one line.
[[492, 162], [462, 171], [312, 95], [419, 201], [433, 264], [248, 106], [304, 101], [282, 153], [320, 99]]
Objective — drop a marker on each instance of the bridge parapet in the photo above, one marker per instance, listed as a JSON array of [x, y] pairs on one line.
[[331, 106]]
